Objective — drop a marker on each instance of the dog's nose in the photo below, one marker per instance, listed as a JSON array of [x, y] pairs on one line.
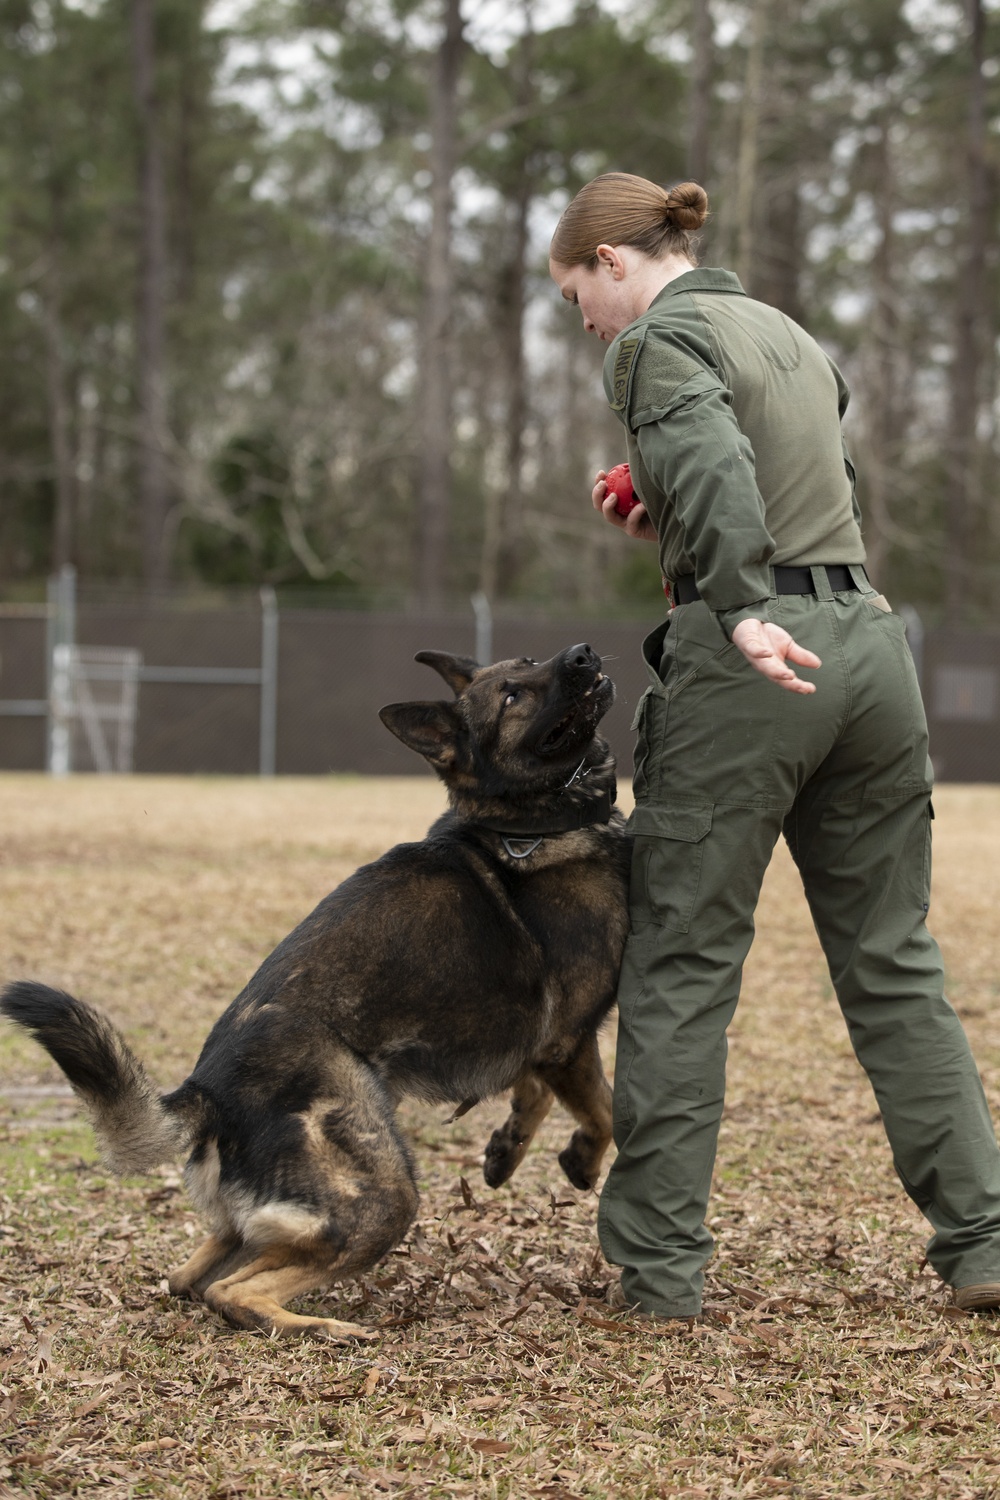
[[582, 656]]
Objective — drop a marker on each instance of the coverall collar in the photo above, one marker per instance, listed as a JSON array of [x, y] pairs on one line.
[[702, 279]]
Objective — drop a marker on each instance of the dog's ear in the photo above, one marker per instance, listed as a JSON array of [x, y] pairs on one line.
[[457, 671], [431, 729]]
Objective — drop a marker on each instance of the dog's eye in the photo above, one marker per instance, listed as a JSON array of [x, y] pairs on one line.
[[510, 697]]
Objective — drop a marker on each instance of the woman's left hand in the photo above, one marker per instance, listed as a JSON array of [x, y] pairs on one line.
[[769, 648]]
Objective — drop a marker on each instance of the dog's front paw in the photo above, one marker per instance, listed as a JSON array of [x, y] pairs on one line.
[[577, 1161], [503, 1154]]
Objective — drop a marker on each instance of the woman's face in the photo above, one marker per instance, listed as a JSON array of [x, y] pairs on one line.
[[603, 293]]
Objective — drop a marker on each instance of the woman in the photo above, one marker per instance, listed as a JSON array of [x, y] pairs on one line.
[[732, 425]]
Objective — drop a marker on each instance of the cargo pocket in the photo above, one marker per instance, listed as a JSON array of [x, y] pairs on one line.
[[666, 862], [649, 721]]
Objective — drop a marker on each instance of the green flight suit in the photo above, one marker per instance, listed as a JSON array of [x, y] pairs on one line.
[[732, 415]]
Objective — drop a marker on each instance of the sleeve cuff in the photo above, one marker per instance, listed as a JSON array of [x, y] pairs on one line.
[[729, 618]]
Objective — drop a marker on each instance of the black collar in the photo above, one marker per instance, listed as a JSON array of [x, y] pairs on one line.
[[565, 821]]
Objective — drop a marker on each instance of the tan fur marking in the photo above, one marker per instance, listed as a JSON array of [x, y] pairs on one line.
[[202, 1178], [581, 1086], [530, 1102], [209, 1254], [253, 1297], [339, 1179]]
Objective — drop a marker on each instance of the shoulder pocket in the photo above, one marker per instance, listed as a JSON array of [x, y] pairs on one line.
[[651, 403]]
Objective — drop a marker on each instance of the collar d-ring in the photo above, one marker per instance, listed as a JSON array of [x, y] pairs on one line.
[[523, 852]]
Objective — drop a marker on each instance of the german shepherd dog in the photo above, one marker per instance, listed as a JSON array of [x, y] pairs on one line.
[[481, 959]]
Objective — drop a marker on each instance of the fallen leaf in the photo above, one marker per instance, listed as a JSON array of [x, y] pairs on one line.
[[586, 1316], [111, 1378], [44, 1362], [382, 1479], [113, 1389], [309, 1446], [899, 1466], [32, 1460]]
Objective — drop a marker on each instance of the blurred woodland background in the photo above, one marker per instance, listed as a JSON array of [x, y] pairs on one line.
[[273, 294]]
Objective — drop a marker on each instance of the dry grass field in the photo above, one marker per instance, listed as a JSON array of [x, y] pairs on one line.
[[828, 1362]]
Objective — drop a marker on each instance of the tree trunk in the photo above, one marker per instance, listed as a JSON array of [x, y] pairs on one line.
[[750, 118], [883, 415], [435, 371], [700, 90], [150, 339], [776, 267], [972, 314], [64, 525], [502, 526], [59, 403], [192, 127]]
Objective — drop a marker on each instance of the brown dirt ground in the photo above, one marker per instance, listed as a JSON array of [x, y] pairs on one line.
[[828, 1364]]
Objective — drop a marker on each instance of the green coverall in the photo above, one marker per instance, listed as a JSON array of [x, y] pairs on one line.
[[732, 416]]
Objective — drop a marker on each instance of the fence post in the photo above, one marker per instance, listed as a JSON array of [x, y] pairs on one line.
[[484, 628], [268, 680], [60, 633]]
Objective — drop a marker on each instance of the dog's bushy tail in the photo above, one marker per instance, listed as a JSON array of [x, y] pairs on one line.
[[134, 1128]]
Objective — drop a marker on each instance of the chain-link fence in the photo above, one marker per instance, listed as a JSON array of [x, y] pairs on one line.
[[244, 687]]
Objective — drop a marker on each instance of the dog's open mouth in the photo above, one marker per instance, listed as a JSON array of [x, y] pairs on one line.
[[580, 719]]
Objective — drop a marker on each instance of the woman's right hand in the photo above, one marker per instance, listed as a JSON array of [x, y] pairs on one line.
[[769, 648], [637, 523]]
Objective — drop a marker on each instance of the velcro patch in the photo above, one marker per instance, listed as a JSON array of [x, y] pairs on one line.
[[625, 357], [662, 370]]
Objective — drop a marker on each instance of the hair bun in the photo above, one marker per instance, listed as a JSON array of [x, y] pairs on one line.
[[687, 204]]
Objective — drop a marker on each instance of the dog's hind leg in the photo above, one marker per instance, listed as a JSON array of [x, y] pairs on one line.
[[254, 1296], [581, 1086], [358, 1228], [356, 1197], [530, 1102], [207, 1258]]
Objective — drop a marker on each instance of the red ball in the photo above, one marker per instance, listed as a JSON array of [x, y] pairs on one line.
[[619, 482]]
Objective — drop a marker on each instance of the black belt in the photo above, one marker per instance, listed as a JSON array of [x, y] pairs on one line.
[[787, 580]]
